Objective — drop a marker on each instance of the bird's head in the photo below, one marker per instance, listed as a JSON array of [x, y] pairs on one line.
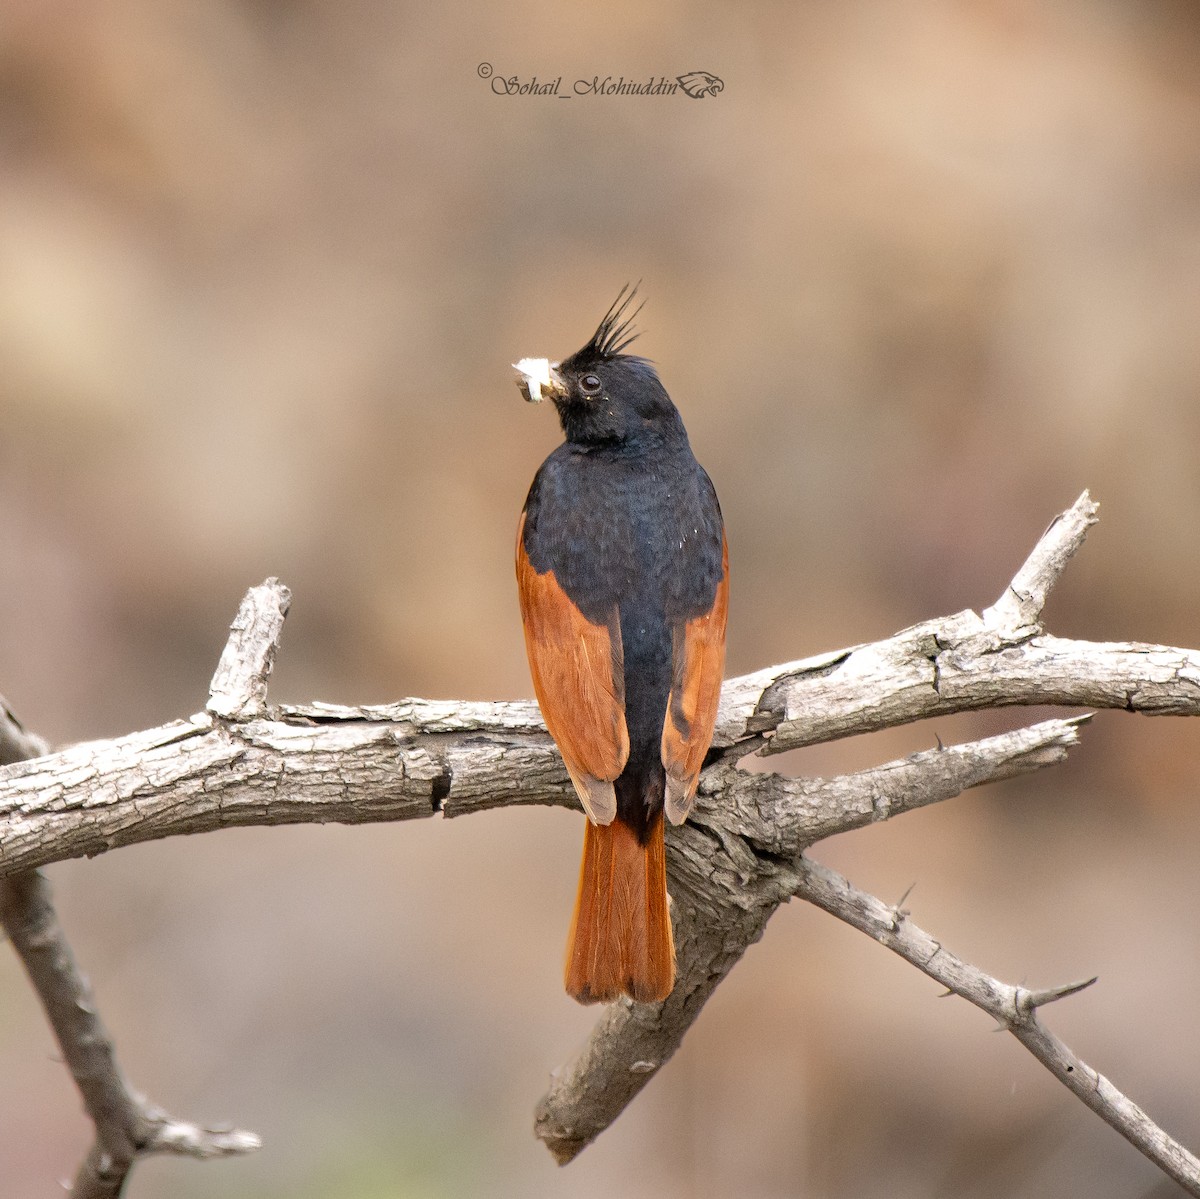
[[603, 395]]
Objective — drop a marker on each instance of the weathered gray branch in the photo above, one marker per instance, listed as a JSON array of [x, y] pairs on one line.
[[722, 896], [1014, 1008], [727, 878], [416, 758], [239, 688], [127, 1126], [242, 762], [729, 886], [782, 816]]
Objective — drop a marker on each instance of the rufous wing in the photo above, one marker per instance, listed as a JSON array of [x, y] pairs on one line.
[[579, 679], [697, 668]]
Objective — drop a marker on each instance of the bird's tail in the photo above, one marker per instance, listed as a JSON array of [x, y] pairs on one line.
[[620, 940]]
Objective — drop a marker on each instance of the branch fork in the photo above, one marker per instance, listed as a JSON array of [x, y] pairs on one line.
[[741, 856], [127, 1125]]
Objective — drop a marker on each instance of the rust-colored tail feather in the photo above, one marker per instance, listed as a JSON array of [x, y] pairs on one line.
[[620, 940]]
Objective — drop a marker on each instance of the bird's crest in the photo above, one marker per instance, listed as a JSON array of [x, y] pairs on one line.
[[615, 331]]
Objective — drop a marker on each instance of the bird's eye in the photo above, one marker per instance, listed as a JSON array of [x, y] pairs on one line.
[[590, 385]]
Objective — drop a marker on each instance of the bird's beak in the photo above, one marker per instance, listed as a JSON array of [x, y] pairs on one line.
[[538, 379]]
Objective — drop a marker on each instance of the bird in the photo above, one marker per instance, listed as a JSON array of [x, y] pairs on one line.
[[623, 580]]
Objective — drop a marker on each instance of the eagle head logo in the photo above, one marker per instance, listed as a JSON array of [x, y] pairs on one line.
[[699, 84]]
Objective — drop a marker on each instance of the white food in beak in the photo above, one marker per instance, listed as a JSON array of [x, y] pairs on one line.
[[535, 381]]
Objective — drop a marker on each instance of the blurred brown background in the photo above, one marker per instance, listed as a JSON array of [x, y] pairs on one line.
[[919, 275]]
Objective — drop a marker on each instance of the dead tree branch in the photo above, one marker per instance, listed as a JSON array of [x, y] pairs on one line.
[[127, 1126], [1013, 1008], [726, 884], [243, 762]]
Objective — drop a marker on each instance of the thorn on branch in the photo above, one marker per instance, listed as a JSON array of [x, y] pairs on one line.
[[1028, 1002]]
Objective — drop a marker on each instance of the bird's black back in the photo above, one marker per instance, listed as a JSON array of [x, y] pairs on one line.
[[637, 526]]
